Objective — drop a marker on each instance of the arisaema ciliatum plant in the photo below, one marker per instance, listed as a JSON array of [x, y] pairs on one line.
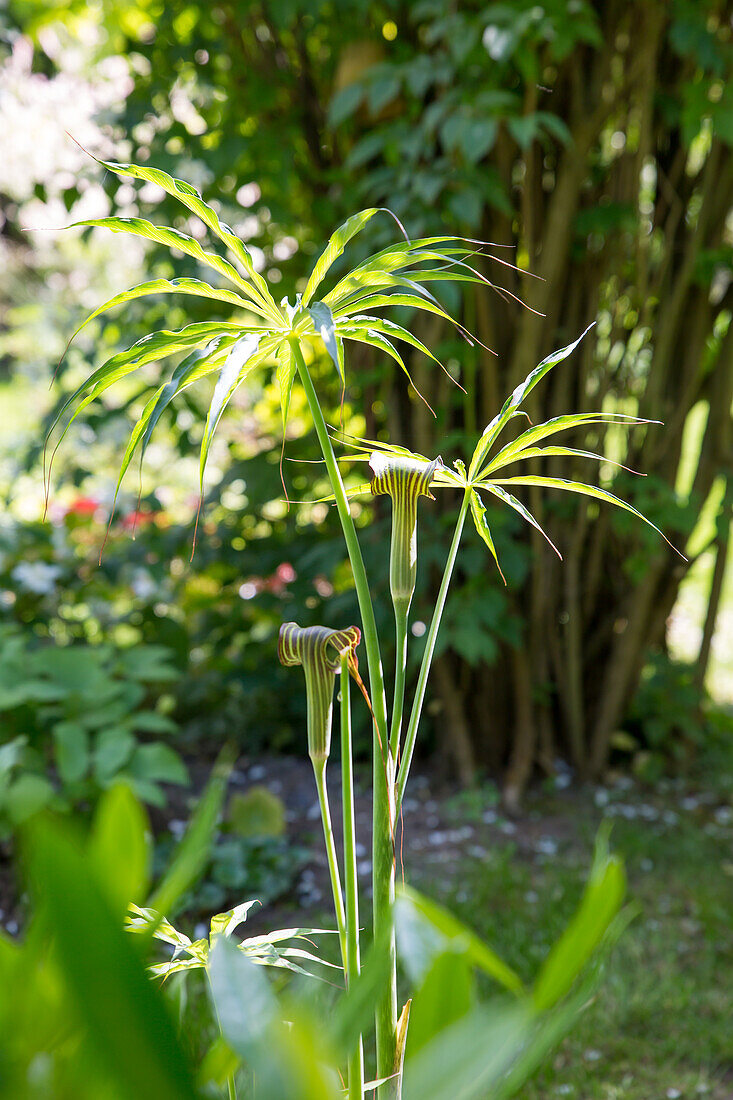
[[264, 334]]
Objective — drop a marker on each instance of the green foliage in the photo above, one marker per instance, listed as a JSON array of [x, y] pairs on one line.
[[670, 722], [74, 722], [98, 1024]]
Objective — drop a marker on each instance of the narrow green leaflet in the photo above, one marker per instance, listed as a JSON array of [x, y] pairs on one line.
[[242, 357], [507, 498], [284, 376], [391, 328], [156, 345], [368, 335], [173, 238], [191, 199], [491, 431], [538, 432], [337, 243], [481, 524], [560, 452], [166, 286], [584, 490], [325, 327]]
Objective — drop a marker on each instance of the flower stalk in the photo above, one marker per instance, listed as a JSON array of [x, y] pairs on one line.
[[353, 961], [383, 768]]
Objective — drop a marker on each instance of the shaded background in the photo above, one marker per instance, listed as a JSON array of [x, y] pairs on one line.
[[595, 140]]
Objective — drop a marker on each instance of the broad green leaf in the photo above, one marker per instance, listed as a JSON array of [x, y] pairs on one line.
[[491, 431], [337, 243], [166, 286], [158, 763], [599, 905], [433, 929], [446, 995], [120, 846], [190, 857], [482, 526], [517, 505], [125, 1020], [25, 796], [283, 1059], [173, 238], [113, 747], [323, 323], [470, 1058], [191, 199], [71, 750], [583, 490], [538, 432]]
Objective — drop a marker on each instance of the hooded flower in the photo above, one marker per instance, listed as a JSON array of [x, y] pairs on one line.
[[319, 651], [404, 479]]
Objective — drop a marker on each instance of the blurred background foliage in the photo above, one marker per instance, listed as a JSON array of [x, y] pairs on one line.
[[595, 139]]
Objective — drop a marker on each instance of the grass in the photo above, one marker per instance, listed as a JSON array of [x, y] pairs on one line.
[[660, 1024]]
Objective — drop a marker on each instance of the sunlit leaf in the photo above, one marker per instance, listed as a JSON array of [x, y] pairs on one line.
[[191, 199], [492, 430], [538, 432], [241, 359], [481, 524], [173, 238], [324, 325], [583, 490], [193, 287], [517, 505]]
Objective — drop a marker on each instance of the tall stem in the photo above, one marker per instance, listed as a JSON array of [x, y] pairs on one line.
[[398, 704], [356, 1060], [383, 865], [427, 659], [319, 770]]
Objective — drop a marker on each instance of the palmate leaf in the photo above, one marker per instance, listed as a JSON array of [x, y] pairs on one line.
[[492, 430], [584, 490], [186, 194]]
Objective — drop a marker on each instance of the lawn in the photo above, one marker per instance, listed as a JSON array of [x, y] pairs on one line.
[[660, 1025]]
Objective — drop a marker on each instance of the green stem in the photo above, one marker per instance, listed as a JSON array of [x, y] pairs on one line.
[[319, 770], [398, 704], [383, 866], [427, 659], [356, 1060]]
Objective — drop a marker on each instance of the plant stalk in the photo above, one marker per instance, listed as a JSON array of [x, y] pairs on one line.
[[427, 659], [383, 864], [356, 1060], [398, 703], [319, 770]]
